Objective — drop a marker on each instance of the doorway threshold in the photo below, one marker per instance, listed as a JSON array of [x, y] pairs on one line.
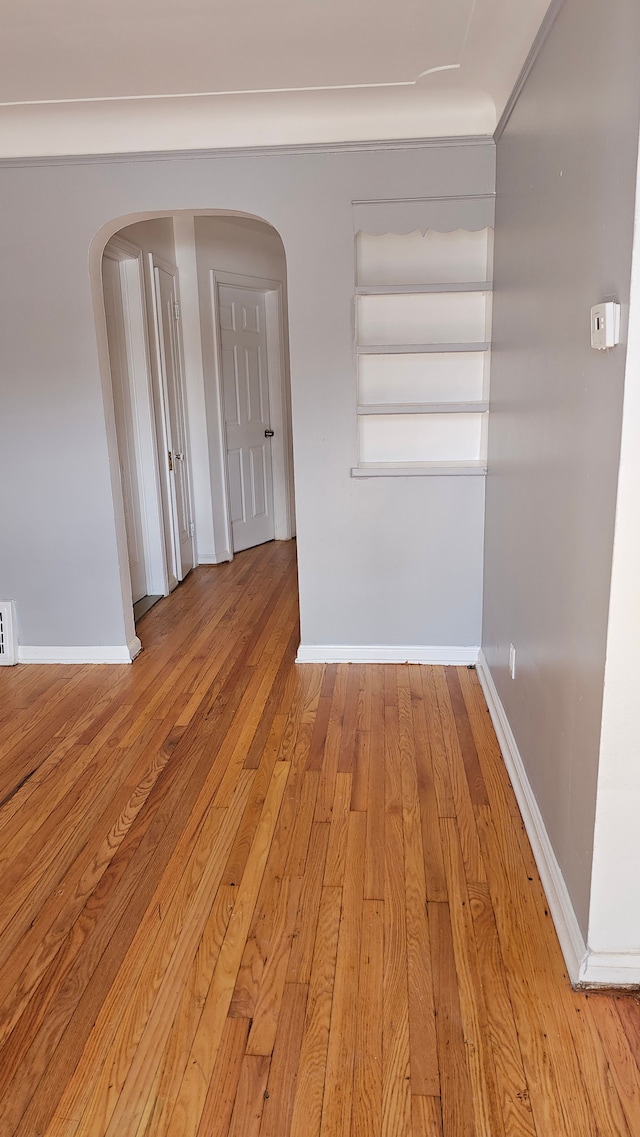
[[143, 605]]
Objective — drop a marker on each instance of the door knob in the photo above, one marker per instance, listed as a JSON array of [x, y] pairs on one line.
[[268, 433]]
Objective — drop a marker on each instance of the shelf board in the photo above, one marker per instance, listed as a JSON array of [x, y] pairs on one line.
[[419, 348], [474, 407], [420, 470], [412, 289]]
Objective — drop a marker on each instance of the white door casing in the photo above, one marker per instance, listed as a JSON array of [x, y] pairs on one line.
[[125, 423], [128, 343], [244, 370], [173, 419]]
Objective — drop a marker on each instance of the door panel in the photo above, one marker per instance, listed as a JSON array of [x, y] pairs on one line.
[[174, 419], [125, 424], [245, 390]]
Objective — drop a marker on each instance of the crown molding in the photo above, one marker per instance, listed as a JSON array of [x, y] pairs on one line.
[[302, 149], [536, 47]]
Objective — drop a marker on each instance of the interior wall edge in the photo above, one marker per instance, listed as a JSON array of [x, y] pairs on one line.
[[536, 47]]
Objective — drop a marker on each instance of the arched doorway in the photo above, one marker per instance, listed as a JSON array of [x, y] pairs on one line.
[[194, 306]]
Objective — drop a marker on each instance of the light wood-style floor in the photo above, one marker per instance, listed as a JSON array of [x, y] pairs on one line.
[[242, 898]]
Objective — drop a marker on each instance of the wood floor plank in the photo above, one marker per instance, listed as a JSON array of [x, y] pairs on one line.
[[266, 1013], [331, 759], [366, 1113], [375, 812], [338, 1092], [220, 1100], [302, 949], [512, 1085], [437, 747], [396, 1086], [426, 1117], [435, 882], [425, 1078], [489, 1119], [307, 1105], [463, 793], [455, 1083], [337, 851], [283, 1073], [249, 1104]]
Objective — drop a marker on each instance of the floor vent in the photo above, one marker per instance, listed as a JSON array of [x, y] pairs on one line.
[[8, 639]]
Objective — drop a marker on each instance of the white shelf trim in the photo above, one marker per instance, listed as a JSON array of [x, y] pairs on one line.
[[419, 348], [420, 470], [411, 289], [473, 407]]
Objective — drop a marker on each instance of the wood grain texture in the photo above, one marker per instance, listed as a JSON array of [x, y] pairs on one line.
[[241, 898]]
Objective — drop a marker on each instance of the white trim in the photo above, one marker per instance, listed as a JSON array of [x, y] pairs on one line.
[[387, 653], [562, 911], [138, 367], [610, 969], [120, 654], [157, 264], [214, 558], [536, 47], [9, 654], [282, 149]]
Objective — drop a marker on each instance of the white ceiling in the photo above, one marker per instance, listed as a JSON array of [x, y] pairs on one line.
[[94, 76]]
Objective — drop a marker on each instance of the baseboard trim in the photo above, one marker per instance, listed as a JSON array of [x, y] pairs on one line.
[[387, 653], [562, 911], [119, 654], [610, 969], [214, 558]]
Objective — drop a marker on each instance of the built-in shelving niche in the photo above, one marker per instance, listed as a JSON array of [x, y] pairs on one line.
[[423, 336]]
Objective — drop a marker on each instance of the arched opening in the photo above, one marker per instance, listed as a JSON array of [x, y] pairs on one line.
[[191, 318]]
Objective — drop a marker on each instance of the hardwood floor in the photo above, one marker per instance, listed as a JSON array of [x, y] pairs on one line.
[[244, 898]]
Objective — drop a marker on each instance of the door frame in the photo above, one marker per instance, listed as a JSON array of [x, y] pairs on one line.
[[138, 367], [174, 571], [279, 398]]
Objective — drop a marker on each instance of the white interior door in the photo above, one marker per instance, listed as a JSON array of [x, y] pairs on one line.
[[124, 406], [245, 396], [175, 434]]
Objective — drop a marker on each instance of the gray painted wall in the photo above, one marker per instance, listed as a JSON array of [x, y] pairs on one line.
[[381, 561], [566, 168]]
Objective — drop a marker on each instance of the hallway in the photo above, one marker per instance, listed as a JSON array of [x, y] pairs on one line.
[[243, 898]]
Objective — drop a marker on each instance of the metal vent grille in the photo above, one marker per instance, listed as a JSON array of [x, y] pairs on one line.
[[8, 643]]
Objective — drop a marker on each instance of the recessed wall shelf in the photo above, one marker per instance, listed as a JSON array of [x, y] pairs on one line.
[[423, 339], [412, 289], [421, 470], [480, 407], [413, 348]]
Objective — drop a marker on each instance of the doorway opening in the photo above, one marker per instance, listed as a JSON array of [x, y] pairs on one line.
[[197, 393]]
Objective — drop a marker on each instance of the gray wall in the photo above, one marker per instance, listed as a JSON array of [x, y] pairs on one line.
[[382, 560], [565, 202]]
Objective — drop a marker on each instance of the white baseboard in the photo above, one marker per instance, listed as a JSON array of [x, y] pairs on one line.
[[120, 654], [386, 653], [587, 968], [214, 558], [562, 911], [610, 969]]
